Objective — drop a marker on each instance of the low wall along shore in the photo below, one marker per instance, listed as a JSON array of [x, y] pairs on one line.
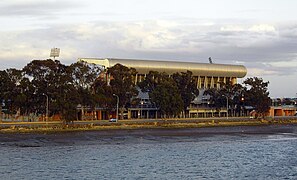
[[56, 126]]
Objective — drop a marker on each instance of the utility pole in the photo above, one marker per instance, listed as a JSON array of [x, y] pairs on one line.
[[118, 99]]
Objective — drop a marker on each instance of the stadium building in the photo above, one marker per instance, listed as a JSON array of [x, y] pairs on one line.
[[207, 75]]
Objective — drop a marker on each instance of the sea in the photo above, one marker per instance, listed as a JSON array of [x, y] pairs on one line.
[[259, 152]]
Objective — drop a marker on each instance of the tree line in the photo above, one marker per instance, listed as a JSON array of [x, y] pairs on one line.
[[67, 86]]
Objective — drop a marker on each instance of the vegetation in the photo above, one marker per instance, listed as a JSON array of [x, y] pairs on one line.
[[25, 91], [187, 88], [122, 84], [257, 95], [167, 98], [171, 94], [254, 93]]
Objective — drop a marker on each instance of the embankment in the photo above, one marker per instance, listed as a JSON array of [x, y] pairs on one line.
[[53, 127]]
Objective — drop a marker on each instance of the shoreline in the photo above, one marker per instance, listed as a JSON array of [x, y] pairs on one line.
[[176, 124], [115, 135]]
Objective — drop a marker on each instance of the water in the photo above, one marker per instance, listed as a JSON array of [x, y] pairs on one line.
[[210, 153]]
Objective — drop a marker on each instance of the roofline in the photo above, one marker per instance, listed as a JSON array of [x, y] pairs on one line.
[[170, 67]]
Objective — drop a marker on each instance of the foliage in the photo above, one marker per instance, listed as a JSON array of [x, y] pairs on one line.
[[166, 96], [257, 95], [254, 93], [83, 76], [164, 93], [152, 79], [122, 84], [187, 88], [65, 86], [233, 93], [25, 91], [216, 98], [103, 94]]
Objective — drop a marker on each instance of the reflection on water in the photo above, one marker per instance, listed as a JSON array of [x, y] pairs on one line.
[[178, 154]]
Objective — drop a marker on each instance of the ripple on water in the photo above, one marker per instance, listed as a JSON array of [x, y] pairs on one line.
[[220, 156]]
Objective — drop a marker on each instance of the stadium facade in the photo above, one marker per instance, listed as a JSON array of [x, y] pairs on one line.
[[206, 75]]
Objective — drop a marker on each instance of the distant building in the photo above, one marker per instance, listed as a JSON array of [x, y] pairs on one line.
[[206, 75], [283, 107]]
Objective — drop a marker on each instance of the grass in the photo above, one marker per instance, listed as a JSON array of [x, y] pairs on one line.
[[146, 125]]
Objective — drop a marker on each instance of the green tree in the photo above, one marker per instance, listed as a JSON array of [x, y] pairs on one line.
[[167, 98], [216, 98], [152, 79], [257, 95], [15, 92], [103, 94], [187, 88], [228, 91], [83, 76], [122, 84], [4, 88], [163, 92], [52, 78]]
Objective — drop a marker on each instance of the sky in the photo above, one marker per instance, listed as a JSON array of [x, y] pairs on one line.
[[259, 34]]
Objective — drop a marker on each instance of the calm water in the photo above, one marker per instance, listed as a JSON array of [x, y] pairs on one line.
[[210, 153]]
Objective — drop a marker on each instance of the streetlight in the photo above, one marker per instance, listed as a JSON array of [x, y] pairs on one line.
[[46, 112], [141, 109], [242, 107], [118, 99]]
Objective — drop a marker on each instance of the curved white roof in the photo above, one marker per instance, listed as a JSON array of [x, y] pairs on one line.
[[170, 67]]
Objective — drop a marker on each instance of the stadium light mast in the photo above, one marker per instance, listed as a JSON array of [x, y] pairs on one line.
[[55, 52]]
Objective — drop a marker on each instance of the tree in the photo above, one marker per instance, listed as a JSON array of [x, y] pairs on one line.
[[51, 78], [216, 98], [257, 95], [4, 89], [187, 88], [103, 93], [228, 91], [167, 98], [122, 84], [83, 76], [15, 93], [163, 92], [152, 79]]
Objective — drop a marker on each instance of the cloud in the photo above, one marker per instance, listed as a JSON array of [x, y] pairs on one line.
[[191, 40], [34, 7], [285, 64], [262, 28]]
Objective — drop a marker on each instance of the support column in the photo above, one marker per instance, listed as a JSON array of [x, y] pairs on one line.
[[199, 80], [218, 83], [212, 82], [129, 113], [108, 79], [135, 79], [234, 80]]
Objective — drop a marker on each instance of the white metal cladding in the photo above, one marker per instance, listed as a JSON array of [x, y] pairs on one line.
[[170, 67]]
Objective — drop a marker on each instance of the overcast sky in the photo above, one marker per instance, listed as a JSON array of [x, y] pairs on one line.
[[260, 34]]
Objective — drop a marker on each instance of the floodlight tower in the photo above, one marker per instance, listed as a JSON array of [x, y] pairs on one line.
[[55, 52]]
